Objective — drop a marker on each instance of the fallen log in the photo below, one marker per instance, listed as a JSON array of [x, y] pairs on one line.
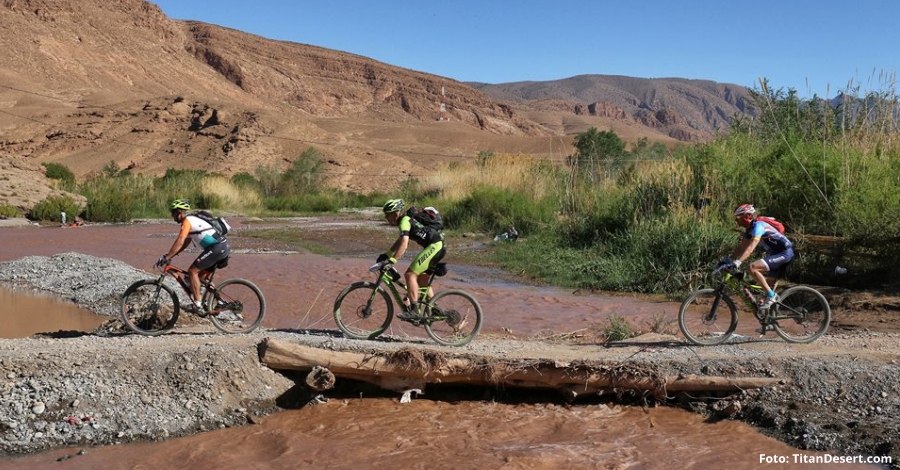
[[410, 368]]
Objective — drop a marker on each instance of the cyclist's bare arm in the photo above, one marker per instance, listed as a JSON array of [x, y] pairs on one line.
[[181, 242], [745, 248], [399, 247]]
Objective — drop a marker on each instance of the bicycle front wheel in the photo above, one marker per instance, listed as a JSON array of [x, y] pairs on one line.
[[149, 307], [363, 310], [236, 306], [802, 315], [707, 317], [454, 318]]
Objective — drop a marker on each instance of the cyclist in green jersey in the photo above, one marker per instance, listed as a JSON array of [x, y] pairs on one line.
[[432, 242]]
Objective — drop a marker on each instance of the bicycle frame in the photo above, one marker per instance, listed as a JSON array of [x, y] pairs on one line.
[[390, 277], [738, 282], [751, 294], [183, 279]]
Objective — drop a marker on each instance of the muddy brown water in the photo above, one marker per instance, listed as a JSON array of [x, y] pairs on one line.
[[381, 432], [26, 314]]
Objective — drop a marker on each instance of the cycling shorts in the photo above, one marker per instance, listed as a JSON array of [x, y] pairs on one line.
[[777, 261], [212, 255], [430, 254]]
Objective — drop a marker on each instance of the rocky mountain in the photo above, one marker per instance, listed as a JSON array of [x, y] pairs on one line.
[[88, 82], [687, 110]]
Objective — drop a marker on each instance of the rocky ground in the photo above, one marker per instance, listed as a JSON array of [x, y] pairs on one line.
[[839, 394]]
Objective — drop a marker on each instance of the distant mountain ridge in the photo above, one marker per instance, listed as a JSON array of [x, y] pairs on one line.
[[688, 110]]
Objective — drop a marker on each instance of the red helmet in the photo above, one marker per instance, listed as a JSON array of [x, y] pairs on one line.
[[745, 209]]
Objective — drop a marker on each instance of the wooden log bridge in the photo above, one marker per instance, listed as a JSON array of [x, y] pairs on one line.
[[410, 369]]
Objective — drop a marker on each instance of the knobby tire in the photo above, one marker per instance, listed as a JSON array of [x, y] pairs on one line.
[[808, 315], [236, 306], [456, 318], [149, 307], [707, 317], [363, 310]]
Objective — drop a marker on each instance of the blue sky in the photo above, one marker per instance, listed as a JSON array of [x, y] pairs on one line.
[[814, 46]]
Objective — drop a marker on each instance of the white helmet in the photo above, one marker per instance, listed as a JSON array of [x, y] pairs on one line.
[[745, 209]]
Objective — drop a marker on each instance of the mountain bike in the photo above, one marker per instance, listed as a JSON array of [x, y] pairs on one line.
[[151, 306], [364, 310], [709, 316]]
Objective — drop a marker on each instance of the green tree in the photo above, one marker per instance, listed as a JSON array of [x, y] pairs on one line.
[[598, 154], [305, 176], [269, 178]]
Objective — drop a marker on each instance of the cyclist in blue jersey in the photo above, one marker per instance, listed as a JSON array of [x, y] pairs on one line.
[[431, 241], [779, 250]]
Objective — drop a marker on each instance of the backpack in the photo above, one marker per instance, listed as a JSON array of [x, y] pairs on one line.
[[218, 223], [429, 217], [771, 221]]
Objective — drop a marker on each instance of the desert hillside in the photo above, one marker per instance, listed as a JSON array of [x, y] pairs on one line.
[[686, 110], [88, 82]]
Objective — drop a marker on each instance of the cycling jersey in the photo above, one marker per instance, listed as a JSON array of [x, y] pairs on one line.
[[771, 240], [418, 232], [202, 234]]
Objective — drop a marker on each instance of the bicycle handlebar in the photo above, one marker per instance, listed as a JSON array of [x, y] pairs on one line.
[[381, 266]]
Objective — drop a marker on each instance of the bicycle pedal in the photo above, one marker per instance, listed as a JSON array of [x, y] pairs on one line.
[[409, 316], [199, 311]]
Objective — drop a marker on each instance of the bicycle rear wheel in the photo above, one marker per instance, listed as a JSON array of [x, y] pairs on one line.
[[802, 315], [707, 317], [454, 318], [149, 307], [363, 311], [236, 306]]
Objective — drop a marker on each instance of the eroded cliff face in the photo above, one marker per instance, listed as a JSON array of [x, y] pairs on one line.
[[330, 83]]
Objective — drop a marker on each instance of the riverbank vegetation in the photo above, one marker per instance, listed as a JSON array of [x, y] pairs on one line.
[[640, 218]]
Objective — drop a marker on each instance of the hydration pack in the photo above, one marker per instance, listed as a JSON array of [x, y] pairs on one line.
[[428, 217], [219, 224], [771, 221]]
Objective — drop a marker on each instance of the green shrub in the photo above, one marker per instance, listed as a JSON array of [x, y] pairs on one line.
[[8, 211], [303, 203], [246, 180], [111, 204], [305, 175], [616, 329], [49, 209], [61, 173], [493, 210]]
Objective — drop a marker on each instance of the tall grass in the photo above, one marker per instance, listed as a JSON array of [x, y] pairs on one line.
[[518, 173], [498, 192]]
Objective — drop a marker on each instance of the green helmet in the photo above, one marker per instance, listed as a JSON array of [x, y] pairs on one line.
[[180, 204], [394, 205]]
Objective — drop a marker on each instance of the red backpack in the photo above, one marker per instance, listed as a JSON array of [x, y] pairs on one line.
[[771, 221]]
